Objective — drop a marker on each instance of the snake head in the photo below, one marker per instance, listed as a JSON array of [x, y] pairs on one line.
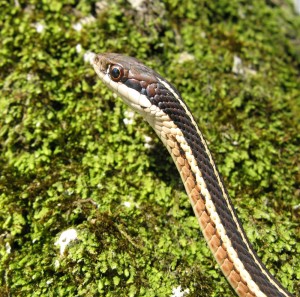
[[140, 87], [134, 82]]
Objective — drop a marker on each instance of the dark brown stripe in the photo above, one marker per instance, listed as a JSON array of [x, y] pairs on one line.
[[166, 101]]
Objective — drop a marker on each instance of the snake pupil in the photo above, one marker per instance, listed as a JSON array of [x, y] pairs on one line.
[[116, 73]]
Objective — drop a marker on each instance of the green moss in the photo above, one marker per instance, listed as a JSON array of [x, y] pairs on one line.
[[69, 161]]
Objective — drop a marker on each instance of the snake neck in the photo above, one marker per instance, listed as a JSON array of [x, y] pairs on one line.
[[175, 126]]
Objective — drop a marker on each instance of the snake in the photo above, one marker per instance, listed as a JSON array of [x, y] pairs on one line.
[[161, 105]]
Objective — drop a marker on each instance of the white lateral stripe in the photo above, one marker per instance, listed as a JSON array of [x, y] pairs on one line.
[[216, 219], [221, 185], [209, 203]]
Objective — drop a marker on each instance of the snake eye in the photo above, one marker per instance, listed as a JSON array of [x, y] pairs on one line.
[[116, 72]]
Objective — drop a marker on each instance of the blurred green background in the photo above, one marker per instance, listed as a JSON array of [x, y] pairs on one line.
[[73, 156]]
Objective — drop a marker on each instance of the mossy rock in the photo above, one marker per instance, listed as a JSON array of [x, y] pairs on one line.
[[70, 161]]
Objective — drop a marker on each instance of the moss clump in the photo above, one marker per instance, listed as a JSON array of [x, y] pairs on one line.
[[68, 160]]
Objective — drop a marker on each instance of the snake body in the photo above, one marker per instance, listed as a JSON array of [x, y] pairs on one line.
[[161, 105]]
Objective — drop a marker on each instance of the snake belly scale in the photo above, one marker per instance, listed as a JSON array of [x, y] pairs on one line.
[[161, 105]]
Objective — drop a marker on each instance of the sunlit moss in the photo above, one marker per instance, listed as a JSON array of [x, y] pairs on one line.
[[68, 160]]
